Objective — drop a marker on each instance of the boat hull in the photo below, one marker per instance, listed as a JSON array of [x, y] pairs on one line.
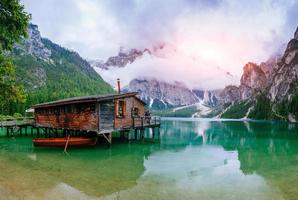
[[61, 142]]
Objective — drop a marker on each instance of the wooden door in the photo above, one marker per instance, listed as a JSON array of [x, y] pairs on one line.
[[106, 113]]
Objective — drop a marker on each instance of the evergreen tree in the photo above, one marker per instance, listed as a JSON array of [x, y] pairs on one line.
[[13, 26]]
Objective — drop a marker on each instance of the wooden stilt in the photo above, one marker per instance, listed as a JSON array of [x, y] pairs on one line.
[[136, 134], [26, 131], [38, 132], [31, 131], [7, 132], [142, 134], [153, 132], [110, 137]]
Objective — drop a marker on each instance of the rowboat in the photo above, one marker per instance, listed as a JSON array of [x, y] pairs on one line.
[[62, 142]]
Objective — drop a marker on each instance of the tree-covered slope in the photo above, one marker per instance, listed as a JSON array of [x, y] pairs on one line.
[[49, 72]]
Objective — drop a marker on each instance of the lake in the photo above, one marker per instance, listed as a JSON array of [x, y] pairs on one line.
[[194, 159]]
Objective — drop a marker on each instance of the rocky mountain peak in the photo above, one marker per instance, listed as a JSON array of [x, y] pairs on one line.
[[296, 34], [161, 95], [33, 44], [123, 58], [253, 76], [230, 94]]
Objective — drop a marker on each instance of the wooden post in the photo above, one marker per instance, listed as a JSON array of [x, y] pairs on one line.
[[136, 134], [142, 133], [26, 131], [153, 132], [110, 137], [37, 130], [20, 130], [46, 132], [31, 130], [7, 132]]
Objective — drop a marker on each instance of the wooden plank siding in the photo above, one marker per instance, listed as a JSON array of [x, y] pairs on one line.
[[107, 115], [81, 120], [90, 116], [127, 120]]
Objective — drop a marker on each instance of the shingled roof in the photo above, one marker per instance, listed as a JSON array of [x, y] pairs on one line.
[[84, 99]]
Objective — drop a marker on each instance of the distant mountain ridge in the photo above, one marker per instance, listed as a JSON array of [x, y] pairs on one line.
[[268, 90], [168, 98], [49, 71]]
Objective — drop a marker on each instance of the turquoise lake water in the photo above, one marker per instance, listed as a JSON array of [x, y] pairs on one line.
[[194, 159]]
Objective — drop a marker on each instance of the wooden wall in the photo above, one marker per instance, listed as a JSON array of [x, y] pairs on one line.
[[101, 117], [127, 120], [82, 119]]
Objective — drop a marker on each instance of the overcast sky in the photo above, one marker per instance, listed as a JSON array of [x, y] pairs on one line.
[[202, 36]]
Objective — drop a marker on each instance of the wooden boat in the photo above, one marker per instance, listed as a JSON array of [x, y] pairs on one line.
[[62, 142]]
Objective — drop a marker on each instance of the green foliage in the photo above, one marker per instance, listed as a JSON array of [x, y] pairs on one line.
[[17, 115], [10, 91], [13, 23], [293, 105], [66, 75], [262, 108], [237, 111], [184, 112]]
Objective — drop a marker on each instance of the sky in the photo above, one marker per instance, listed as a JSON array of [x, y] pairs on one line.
[[204, 39]]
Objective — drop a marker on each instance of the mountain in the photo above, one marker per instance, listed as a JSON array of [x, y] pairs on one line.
[[121, 60], [268, 90], [162, 95], [173, 99], [49, 72], [126, 57]]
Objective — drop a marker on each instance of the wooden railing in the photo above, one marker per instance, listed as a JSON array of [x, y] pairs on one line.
[[9, 121], [145, 121]]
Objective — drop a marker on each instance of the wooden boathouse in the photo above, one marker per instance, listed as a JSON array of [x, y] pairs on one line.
[[100, 115]]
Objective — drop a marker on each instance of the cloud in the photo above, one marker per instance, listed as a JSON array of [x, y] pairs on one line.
[[215, 33]]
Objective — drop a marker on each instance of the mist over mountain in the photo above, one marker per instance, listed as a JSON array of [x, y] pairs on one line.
[[162, 62]]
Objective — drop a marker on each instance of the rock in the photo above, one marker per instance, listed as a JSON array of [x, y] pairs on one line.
[[211, 98], [253, 77], [33, 45], [296, 34], [159, 94], [121, 60], [230, 94]]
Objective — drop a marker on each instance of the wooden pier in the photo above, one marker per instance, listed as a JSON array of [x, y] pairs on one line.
[[17, 125]]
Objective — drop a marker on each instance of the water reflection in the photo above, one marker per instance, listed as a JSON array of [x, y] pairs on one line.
[[193, 160]]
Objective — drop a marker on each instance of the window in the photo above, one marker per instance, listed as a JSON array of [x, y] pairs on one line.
[[135, 112], [120, 109]]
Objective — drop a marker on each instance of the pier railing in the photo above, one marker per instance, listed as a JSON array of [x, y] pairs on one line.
[[19, 121], [146, 121]]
